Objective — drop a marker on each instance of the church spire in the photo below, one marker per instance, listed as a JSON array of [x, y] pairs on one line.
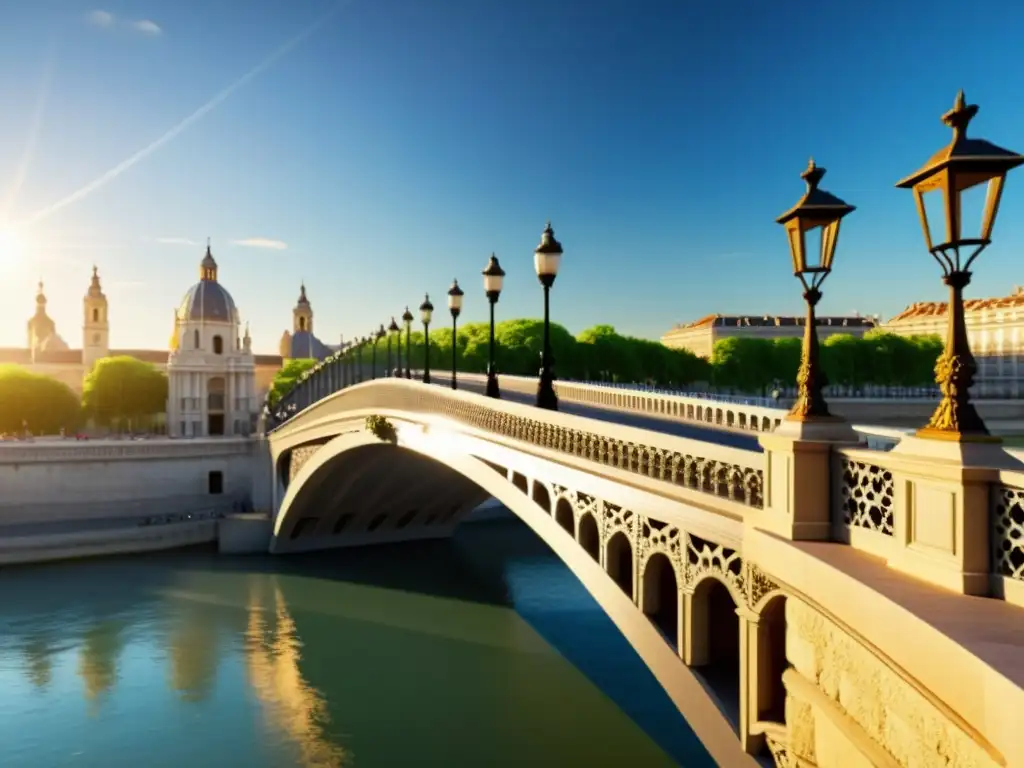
[[40, 296], [95, 288], [208, 266]]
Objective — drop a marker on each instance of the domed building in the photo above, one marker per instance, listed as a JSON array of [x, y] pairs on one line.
[[42, 331], [211, 370], [301, 343]]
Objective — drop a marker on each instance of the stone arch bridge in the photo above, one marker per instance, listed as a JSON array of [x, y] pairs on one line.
[[746, 580]]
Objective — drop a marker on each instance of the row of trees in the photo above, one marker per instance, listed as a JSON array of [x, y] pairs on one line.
[[120, 392], [738, 364]]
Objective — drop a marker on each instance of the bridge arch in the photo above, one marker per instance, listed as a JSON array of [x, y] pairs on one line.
[[589, 535], [324, 487]]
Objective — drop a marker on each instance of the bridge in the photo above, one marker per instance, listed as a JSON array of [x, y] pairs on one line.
[[827, 602]]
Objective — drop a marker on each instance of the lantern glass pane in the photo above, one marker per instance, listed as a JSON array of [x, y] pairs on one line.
[[547, 263], [454, 301], [493, 283], [425, 315], [829, 239], [796, 248], [932, 211], [993, 194]]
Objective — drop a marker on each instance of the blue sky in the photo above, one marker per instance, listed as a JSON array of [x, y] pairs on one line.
[[402, 141]]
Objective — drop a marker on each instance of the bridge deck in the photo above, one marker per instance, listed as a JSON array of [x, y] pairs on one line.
[[665, 425]]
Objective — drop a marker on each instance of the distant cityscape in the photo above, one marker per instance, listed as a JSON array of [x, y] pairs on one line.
[[995, 327]]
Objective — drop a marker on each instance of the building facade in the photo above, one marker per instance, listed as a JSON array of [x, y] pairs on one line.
[[995, 329], [699, 337], [211, 370], [300, 342], [205, 346]]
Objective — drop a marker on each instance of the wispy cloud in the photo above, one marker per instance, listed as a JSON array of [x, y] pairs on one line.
[[175, 241], [261, 242], [107, 20], [100, 18], [105, 178], [146, 27]]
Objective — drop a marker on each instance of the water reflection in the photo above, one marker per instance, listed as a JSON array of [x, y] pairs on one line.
[[404, 655], [97, 659], [193, 649], [37, 650], [290, 705]]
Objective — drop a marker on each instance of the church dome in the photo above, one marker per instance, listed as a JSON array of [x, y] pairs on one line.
[[207, 300]]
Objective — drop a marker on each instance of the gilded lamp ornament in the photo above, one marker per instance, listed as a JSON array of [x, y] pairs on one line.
[[817, 212], [963, 164]]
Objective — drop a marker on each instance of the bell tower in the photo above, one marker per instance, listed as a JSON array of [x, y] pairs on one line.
[[302, 315], [95, 329]]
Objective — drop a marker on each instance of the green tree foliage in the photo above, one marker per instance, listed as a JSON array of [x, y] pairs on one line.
[[42, 403], [285, 378], [597, 353], [877, 358], [124, 391]]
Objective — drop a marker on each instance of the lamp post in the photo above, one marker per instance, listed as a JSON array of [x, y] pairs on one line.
[[357, 350], [407, 321], [455, 295], [426, 312], [963, 164], [494, 277], [546, 259], [392, 332], [816, 210], [377, 336]]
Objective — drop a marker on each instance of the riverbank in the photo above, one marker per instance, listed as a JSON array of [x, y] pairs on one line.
[[234, 534]]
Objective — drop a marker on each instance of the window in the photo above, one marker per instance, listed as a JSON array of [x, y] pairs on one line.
[[95, 315], [302, 323], [218, 345], [96, 339], [216, 483], [195, 339]]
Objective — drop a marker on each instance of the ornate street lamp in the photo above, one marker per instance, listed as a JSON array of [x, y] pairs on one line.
[[816, 210], [494, 277], [546, 260], [455, 295], [357, 360], [426, 312], [407, 321], [375, 337], [963, 164], [392, 332]]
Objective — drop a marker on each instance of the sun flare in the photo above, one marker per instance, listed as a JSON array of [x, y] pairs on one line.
[[12, 248]]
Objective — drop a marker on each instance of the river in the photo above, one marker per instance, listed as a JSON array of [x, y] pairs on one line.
[[481, 650]]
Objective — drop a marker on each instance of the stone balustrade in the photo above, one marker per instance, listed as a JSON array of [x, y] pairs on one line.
[[731, 474], [950, 523]]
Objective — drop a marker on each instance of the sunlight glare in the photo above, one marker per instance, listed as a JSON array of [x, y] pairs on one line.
[[12, 248]]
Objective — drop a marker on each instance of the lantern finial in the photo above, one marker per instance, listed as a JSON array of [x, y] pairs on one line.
[[813, 175], [960, 115]]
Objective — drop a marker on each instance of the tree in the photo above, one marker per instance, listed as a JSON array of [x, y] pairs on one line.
[[42, 403], [286, 377], [878, 357], [124, 391]]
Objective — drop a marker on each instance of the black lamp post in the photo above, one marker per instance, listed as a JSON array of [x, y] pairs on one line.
[[407, 321], [377, 336], [963, 164], [426, 312], [816, 210], [392, 332], [494, 277], [546, 260], [455, 295]]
